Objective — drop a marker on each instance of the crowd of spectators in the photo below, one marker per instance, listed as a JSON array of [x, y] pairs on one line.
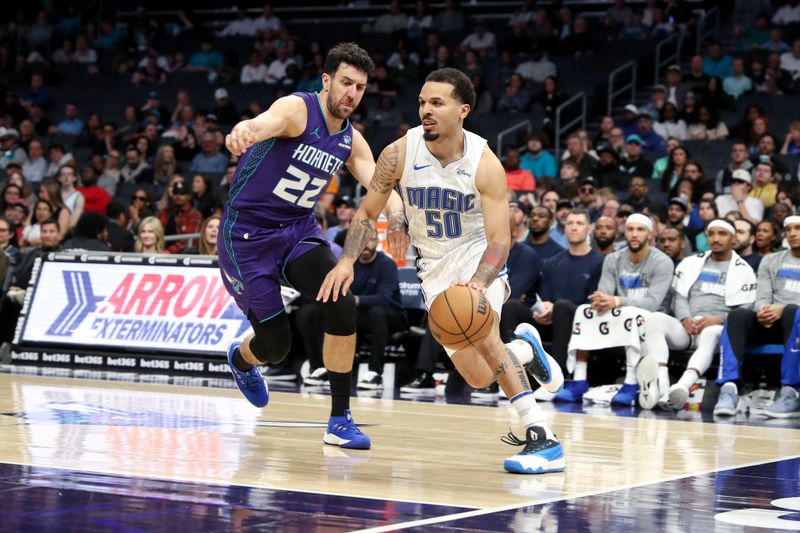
[[72, 178]]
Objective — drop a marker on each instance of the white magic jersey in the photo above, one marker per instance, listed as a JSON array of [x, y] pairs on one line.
[[443, 208]]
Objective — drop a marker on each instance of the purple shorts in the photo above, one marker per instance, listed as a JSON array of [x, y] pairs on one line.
[[252, 262]]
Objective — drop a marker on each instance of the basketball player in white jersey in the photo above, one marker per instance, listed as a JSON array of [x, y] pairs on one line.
[[454, 193]]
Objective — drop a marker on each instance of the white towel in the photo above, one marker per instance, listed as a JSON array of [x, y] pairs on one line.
[[623, 326], [740, 282]]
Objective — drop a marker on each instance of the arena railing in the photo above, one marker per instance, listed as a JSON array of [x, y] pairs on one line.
[[629, 86], [663, 57], [508, 131], [708, 24], [564, 127]]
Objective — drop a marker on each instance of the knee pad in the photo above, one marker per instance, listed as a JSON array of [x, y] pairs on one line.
[[272, 340], [340, 316]]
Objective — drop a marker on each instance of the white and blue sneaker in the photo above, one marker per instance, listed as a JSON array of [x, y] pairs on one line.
[[343, 432], [251, 383], [543, 367], [540, 455]]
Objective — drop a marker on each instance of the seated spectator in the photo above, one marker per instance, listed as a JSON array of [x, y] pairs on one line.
[[715, 63], [739, 161], [661, 163], [558, 230], [790, 61], [579, 264], [537, 68], [657, 100], [755, 34], [669, 124], [345, 209], [21, 277], [675, 167], [635, 30], [241, 26], [551, 98], [767, 151], [675, 89], [210, 160], [706, 212], [539, 224], [791, 145], [71, 125], [9, 245], [136, 170], [637, 195], [207, 59], [776, 44], [704, 295], [208, 237], [517, 179], [537, 160], [90, 234], [50, 191], [276, 71], [85, 55], [150, 73], [739, 200], [768, 238], [119, 237], [745, 238], [709, 126], [254, 71], [18, 213], [203, 195], [180, 218], [580, 41], [420, 23], [697, 79], [633, 164], [652, 143], [73, 199], [95, 198], [481, 41], [36, 165], [515, 97], [771, 321], [737, 83], [141, 207], [150, 237], [42, 211], [267, 21], [671, 242], [764, 187], [778, 215], [394, 21]]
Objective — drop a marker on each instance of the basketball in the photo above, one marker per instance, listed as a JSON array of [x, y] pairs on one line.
[[460, 316]]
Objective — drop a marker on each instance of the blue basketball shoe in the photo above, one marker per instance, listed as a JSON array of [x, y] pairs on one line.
[[250, 383], [540, 455], [543, 367], [573, 391], [343, 432], [627, 395]]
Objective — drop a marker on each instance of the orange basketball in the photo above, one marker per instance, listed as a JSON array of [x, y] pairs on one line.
[[459, 317]]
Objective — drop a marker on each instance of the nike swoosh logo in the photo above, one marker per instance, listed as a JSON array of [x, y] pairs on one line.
[[420, 168]]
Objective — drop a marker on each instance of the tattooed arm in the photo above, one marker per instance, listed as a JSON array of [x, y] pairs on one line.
[[491, 183], [388, 170]]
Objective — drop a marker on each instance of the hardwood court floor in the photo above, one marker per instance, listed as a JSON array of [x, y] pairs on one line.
[[427, 453]]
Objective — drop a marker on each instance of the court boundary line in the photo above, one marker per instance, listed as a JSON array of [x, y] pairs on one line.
[[512, 507]]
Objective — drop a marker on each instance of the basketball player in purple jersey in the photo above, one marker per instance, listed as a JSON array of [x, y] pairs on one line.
[[288, 155]]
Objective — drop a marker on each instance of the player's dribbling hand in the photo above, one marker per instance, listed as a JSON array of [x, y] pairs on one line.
[[472, 285], [337, 282], [239, 140]]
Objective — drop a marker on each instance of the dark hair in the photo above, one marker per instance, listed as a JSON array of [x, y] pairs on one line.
[[673, 228], [349, 53], [752, 226], [51, 221], [713, 208], [463, 90], [90, 225], [115, 208], [549, 213]]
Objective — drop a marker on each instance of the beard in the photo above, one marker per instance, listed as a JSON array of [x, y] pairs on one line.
[[430, 135], [742, 247], [603, 242], [333, 109], [538, 233], [637, 249]]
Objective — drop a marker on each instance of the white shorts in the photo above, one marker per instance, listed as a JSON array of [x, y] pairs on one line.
[[497, 293]]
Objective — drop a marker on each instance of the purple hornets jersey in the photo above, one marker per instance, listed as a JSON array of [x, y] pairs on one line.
[[268, 220], [279, 180]]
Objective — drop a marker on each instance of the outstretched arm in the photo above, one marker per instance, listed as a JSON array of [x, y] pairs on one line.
[[491, 183], [286, 117], [388, 170]]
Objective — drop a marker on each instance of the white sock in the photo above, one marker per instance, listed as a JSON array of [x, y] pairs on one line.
[[521, 350], [530, 413], [630, 366], [580, 370], [688, 378]]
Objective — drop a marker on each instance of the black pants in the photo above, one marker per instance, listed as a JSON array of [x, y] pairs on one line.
[[559, 332], [745, 329], [380, 322], [429, 352]]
